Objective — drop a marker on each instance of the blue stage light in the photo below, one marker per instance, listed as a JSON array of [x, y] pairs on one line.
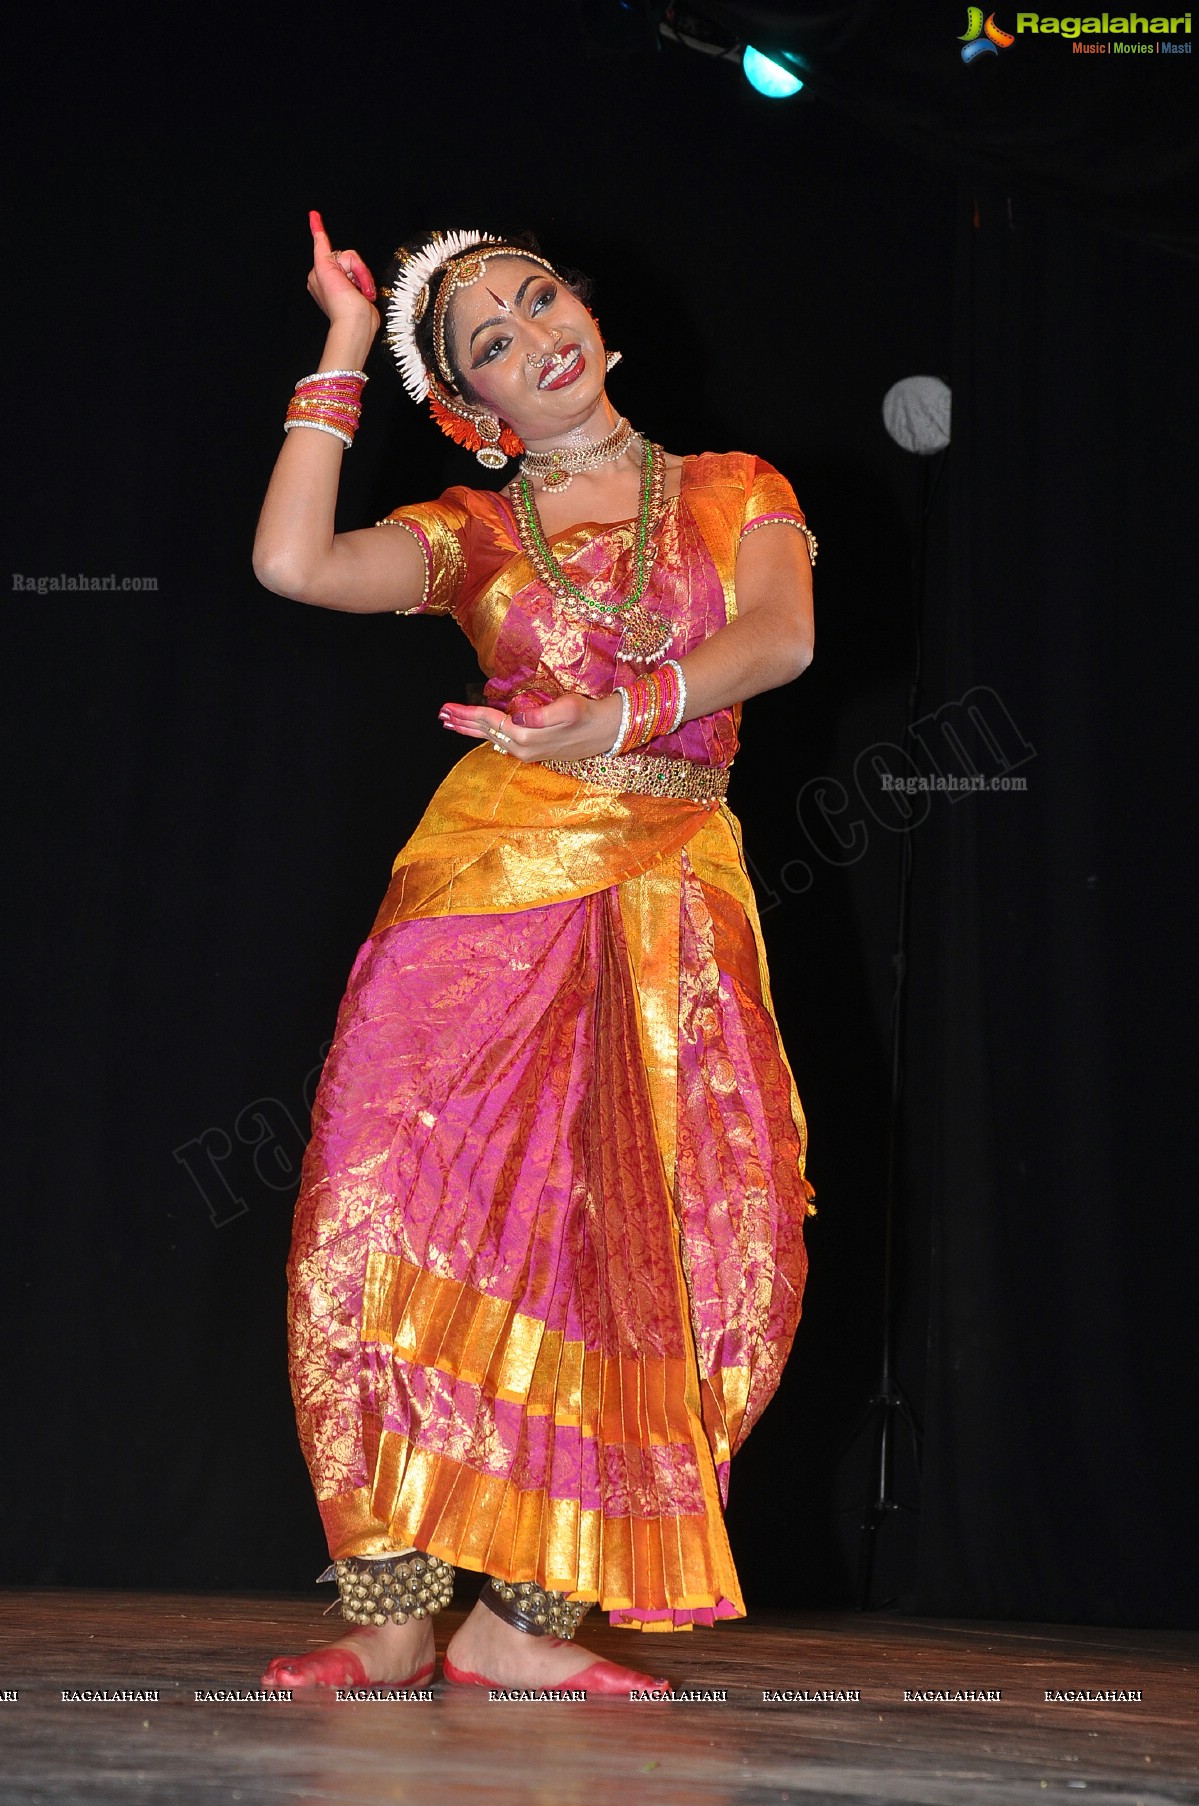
[[769, 78]]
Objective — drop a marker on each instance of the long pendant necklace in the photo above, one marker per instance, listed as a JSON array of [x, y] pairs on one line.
[[558, 467], [645, 635]]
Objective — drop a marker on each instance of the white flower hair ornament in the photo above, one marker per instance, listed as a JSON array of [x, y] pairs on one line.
[[492, 442]]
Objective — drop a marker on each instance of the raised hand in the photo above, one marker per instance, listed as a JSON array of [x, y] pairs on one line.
[[340, 282]]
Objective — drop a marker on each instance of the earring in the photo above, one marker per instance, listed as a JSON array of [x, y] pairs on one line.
[[612, 359], [476, 429], [489, 454]]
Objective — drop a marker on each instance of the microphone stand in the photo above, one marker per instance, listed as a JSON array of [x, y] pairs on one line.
[[888, 1410]]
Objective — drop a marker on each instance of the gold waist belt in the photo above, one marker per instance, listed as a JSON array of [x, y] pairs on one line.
[[645, 775]]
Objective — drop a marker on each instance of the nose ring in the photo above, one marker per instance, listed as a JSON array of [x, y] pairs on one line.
[[547, 356]]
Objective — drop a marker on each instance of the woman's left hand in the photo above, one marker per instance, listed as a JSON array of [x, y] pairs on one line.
[[569, 727]]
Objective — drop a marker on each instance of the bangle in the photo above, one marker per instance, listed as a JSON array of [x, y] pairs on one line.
[[623, 729], [681, 710], [321, 426], [319, 376]]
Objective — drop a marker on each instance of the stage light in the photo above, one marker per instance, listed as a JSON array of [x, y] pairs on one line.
[[917, 413], [772, 79]]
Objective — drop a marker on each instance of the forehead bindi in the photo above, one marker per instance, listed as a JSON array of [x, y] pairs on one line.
[[495, 293]]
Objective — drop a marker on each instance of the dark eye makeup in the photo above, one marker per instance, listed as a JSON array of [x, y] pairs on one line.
[[487, 355], [542, 299]]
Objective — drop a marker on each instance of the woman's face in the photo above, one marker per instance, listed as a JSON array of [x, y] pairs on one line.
[[528, 347]]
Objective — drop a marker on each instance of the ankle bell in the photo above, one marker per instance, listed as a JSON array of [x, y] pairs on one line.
[[394, 1590], [535, 1610]]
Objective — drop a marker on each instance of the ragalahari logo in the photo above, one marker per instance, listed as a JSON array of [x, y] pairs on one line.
[[982, 37]]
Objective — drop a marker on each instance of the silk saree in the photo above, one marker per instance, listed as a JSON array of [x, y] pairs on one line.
[[548, 1261]]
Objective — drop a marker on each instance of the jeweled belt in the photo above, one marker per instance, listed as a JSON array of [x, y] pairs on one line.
[[645, 775]]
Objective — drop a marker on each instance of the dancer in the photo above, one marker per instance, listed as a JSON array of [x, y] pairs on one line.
[[548, 1255]]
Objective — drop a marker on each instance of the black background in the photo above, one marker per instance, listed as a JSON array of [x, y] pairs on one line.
[[208, 783]]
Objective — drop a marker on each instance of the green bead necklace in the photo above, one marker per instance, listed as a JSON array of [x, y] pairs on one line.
[[645, 636]]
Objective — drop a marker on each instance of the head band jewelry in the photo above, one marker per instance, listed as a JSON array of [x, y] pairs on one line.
[[464, 256]]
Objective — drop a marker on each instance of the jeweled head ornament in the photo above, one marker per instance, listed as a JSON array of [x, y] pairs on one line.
[[463, 256]]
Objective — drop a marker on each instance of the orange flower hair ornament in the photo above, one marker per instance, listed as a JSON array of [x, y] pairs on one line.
[[479, 431]]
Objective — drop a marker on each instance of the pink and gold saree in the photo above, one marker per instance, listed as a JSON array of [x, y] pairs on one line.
[[548, 1252]]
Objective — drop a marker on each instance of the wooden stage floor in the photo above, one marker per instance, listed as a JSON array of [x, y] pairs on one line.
[[741, 1751]]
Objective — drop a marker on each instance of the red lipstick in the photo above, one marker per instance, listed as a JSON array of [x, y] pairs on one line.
[[573, 371]]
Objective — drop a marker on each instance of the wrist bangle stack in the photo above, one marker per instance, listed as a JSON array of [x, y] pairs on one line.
[[329, 401], [651, 706]]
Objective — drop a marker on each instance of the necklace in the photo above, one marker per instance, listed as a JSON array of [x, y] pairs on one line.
[[645, 636], [562, 463]]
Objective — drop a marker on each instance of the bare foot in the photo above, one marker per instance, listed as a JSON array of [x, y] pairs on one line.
[[484, 1645], [389, 1654]]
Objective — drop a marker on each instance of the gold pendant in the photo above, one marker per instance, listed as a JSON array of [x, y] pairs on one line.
[[646, 637]]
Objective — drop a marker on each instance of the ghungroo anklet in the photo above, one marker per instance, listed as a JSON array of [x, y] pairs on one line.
[[402, 1587], [526, 1606]]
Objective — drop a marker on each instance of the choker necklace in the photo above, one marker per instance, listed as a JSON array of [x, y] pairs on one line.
[[559, 466], [645, 635]]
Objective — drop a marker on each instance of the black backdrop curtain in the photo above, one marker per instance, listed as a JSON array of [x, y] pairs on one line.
[[1052, 1049], [207, 784]]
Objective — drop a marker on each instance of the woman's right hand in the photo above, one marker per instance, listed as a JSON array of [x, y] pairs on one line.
[[341, 284]]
